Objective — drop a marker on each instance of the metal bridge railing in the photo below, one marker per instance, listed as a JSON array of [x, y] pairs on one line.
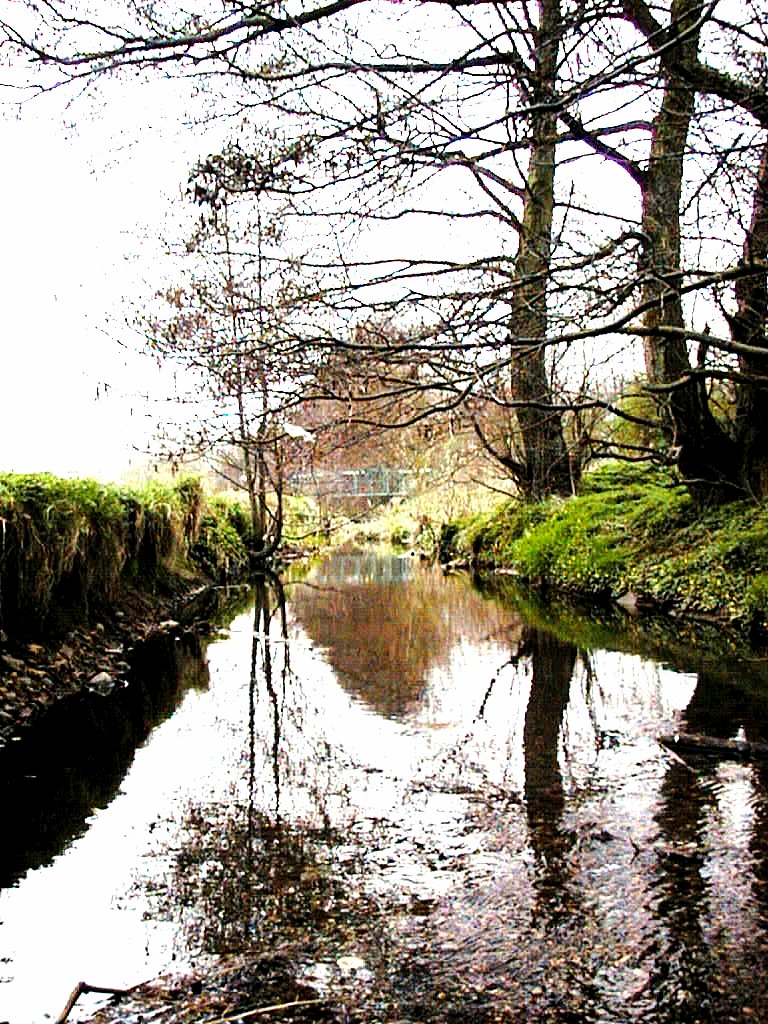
[[374, 482]]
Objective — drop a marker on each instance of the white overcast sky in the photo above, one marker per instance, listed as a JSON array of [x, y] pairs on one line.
[[83, 209], [87, 197]]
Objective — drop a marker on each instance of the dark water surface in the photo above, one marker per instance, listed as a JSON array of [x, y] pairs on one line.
[[441, 801]]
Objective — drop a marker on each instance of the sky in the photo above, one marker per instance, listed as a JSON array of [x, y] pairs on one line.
[[90, 194], [86, 209]]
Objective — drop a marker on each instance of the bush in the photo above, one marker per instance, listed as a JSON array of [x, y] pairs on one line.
[[222, 549]]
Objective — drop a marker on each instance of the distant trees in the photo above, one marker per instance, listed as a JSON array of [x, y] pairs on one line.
[[525, 190]]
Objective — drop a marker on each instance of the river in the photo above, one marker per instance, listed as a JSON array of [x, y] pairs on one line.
[[437, 800]]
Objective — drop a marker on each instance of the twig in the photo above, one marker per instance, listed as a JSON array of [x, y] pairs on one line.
[[264, 1009], [82, 988], [674, 756]]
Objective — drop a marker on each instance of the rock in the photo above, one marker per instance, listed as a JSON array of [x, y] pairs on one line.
[[629, 601], [14, 664], [102, 683], [168, 625]]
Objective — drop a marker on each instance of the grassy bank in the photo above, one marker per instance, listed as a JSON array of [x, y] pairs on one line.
[[633, 530], [71, 548]]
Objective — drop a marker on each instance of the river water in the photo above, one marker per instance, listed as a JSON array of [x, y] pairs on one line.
[[437, 800]]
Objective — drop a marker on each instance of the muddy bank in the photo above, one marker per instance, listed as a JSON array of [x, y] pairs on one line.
[[37, 674], [89, 571]]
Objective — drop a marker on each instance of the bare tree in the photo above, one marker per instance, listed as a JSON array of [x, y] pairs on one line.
[[556, 174], [719, 459], [230, 324]]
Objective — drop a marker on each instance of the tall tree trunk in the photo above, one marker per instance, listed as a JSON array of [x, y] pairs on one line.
[[748, 327], [706, 454], [545, 455]]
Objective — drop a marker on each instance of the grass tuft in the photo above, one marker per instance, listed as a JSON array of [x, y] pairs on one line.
[[68, 547]]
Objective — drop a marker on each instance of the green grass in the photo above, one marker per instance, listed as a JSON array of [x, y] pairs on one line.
[[73, 545], [632, 529]]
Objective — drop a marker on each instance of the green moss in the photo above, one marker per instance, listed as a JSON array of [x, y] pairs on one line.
[[632, 529]]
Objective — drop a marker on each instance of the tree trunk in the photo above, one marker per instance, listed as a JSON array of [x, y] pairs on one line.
[[545, 455], [715, 746], [748, 327], [707, 456]]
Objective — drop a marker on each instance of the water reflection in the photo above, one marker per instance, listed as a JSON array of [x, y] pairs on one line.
[[269, 603], [535, 847], [552, 663], [460, 794], [730, 692], [74, 760], [387, 622], [682, 969]]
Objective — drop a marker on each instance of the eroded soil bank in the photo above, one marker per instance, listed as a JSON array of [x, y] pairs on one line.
[[94, 656], [88, 571]]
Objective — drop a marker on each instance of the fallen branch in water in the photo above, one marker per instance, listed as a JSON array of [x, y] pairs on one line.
[[713, 746], [82, 988], [265, 1009]]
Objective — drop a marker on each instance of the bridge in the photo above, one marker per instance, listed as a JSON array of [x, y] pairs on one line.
[[373, 482]]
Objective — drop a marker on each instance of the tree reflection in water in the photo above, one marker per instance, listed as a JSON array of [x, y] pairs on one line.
[[551, 663], [528, 849], [759, 848], [682, 970], [269, 602], [384, 632], [244, 877]]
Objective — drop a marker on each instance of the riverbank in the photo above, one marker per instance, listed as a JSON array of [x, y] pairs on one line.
[[88, 571], [632, 536]]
